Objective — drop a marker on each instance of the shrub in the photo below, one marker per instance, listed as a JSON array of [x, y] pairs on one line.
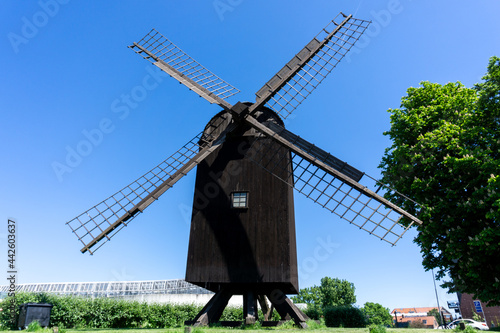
[[344, 316], [81, 312], [289, 324], [315, 324], [313, 311], [34, 326], [5, 315], [468, 329], [376, 314], [232, 313], [377, 329]]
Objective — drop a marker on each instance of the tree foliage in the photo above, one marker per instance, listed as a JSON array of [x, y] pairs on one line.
[[437, 315], [344, 316], [446, 156], [376, 314], [336, 292], [331, 292], [309, 296]]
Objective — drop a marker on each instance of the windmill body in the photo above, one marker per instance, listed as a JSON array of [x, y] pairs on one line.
[[242, 239], [243, 229]]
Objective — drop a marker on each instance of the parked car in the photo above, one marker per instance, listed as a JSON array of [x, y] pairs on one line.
[[468, 322]]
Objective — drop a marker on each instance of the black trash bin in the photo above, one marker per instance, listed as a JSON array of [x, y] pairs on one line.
[[29, 312]]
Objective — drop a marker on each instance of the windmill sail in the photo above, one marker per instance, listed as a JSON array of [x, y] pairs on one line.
[[225, 248], [330, 185], [320, 176], [301, 75], [100, 223], [168, 57]]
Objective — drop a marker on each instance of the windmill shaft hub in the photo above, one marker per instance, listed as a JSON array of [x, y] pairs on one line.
[[240, 109]]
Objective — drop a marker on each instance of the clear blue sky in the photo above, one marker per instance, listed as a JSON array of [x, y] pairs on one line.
[[63, 68]]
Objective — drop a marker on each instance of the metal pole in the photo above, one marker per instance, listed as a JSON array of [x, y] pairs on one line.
[[437, 298], [484, 313], [460, 308]]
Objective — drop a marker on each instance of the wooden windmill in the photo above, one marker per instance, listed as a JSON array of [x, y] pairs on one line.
[[242, 239]]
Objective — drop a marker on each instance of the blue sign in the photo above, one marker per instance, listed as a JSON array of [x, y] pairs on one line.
[[477, 305]]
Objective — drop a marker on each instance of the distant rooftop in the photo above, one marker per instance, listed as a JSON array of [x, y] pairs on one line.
[[418, 310]]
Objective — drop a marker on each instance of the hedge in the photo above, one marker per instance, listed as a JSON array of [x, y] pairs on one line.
[[344, 316], [83, 312]]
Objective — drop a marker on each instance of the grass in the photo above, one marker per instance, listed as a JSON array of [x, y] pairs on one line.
[[233, 330]]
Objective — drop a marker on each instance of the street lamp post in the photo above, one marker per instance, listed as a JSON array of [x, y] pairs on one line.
[[437, 299]]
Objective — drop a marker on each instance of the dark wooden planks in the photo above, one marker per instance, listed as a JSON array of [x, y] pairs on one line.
[[254, 247]]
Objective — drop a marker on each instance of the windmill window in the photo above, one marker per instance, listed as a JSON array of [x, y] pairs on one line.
[[239, 199]]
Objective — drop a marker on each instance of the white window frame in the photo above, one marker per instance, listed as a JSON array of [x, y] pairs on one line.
[[241, 199]]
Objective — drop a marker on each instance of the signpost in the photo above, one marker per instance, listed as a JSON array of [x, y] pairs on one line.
[[456, 306], [479, 309], [477, 305]]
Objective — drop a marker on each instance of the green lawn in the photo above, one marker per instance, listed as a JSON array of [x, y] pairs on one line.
[[223, 330]]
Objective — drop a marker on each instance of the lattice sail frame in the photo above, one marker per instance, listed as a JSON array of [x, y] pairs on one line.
[[164, 54], [100, 223], [283, 93], [366, 210], [286, 90], [88, 225]]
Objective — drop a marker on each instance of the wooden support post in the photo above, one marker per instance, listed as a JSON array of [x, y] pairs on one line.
[[250, 310], [212, 311], [266, 310], [287, 309]]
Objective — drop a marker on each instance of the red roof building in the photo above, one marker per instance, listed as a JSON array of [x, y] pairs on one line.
[[418, 322], [417, 317]]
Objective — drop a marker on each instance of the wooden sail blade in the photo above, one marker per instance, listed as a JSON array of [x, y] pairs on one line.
[[286, 90], [100, 223], [168, 57], [330, 187]]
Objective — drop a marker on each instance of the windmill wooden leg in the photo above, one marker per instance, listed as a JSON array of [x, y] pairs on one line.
[[212, 311], [266, 310], [250, 310], [287, 309]]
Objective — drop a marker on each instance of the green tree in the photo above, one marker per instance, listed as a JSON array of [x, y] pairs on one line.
[[445, 155], [336, 292], [437, 315], [310, 295], [331, 292], [376, 314]]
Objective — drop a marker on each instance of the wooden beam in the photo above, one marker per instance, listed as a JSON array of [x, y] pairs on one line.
[[320, 164]]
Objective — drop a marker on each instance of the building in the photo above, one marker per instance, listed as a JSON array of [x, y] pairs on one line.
[[417, 322], [490, 314], [160, 291], [405, 317]]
